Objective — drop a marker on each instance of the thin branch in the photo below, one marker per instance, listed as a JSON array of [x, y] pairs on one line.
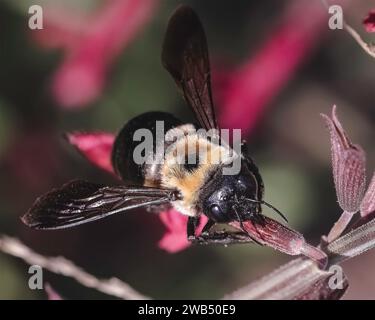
[[368, 48], [61, 265]]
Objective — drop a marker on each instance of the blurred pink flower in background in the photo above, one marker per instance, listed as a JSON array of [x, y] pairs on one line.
[[248, 90], [91, 43], [96, 146], [369, 21]]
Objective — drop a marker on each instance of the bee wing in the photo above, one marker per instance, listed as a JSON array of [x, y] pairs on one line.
[[79, 202], [185, 56]]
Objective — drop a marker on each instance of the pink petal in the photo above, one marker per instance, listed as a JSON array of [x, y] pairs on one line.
[[369, 21], [175, 237], [81, 77], [256, 83], [95, 147], [79, 81]]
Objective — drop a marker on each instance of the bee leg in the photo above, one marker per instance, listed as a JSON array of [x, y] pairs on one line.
[[192, 225], [217, 237], [210, 223], [223, 238], [220, 237], [244, 147]]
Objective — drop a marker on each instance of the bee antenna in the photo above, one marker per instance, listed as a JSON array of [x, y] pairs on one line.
[[269, 206]]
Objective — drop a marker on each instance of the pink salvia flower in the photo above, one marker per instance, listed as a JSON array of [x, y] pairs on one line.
[[348, 164], [95, 147], [175, 238], [368, 202], [81, 77], [369, 22]]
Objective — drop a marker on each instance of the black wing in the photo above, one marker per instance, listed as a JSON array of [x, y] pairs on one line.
[[79, 202], [185, 56]]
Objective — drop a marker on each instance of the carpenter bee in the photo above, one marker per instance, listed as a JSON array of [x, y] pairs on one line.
[[192, 187]]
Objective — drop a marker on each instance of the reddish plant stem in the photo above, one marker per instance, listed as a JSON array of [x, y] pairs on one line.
[[340, 226]]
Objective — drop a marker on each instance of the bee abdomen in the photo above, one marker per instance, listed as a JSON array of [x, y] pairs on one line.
[[123, 149]]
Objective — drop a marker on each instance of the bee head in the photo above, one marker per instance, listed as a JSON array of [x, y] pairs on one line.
[[227, 197]]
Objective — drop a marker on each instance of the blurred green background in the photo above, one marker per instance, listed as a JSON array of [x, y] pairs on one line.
[[290, 146]]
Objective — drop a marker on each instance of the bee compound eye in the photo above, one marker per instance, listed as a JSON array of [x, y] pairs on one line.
[[216, 211], [176, 195]]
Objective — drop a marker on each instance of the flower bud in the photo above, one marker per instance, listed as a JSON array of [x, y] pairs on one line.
[[348, 164]]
